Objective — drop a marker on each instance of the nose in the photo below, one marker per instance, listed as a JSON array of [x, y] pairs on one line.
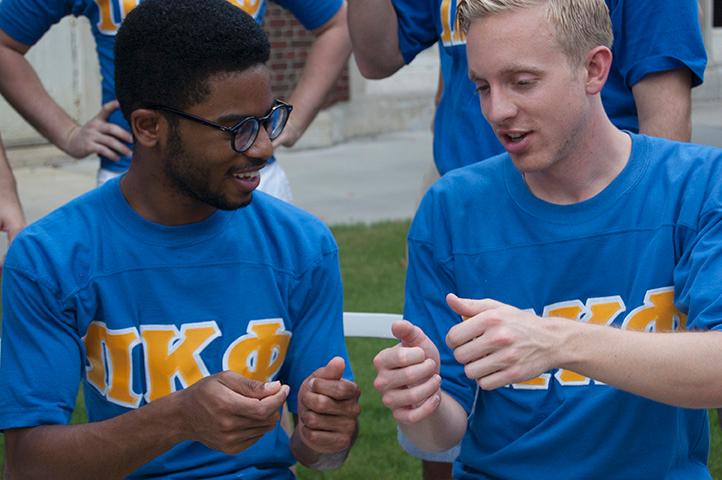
[[261, 149], [498, 107]]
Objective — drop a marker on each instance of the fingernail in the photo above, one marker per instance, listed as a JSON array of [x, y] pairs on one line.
[[272, 384], [311, 383]]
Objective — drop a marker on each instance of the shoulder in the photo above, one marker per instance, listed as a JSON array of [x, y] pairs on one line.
[[460, 197], [684, 173], [58, 244], [295, 238]]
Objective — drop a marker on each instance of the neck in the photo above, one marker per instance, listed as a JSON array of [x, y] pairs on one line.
[[598, 152], [151, 195]]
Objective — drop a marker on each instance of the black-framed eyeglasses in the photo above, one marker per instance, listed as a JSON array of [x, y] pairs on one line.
[[244, 133]]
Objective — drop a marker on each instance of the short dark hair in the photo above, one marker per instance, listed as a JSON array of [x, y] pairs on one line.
[[166, 50]]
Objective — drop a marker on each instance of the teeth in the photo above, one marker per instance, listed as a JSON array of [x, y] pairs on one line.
[[516, 136], [247, 175]]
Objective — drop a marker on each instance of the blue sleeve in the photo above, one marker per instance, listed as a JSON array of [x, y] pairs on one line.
[[41, 355], [26, 21], [698, 273], [654, 36], [417, 29], [316, 309], [428, 279], [312, 13]]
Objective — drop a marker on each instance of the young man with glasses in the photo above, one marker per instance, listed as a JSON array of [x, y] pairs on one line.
[[189, 304], [24, 22], [588, 340]]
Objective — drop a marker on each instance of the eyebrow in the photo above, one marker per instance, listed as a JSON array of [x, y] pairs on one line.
[[508, 71], [236, 118]]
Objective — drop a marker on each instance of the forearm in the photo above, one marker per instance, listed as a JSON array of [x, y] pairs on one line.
[[21, 86], [441, 430], [8, 186], [680, 369], [109, 449], [311, 458], [374, 35], [324, 64], [664, 104]]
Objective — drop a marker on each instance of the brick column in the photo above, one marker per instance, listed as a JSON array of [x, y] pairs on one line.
[[290, 44]]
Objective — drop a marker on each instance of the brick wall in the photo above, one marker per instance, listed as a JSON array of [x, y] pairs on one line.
[[290, 43]]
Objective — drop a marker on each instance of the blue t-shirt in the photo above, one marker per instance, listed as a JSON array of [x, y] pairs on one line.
[[139, 310], [26, 21], [649, 36], [644, 254]]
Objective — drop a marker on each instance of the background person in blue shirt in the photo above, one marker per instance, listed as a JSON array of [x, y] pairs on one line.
[[24, 22], [189, 305], [658, 55], [595, 351]]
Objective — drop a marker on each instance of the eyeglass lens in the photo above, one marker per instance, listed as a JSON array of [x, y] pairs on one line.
[[246, 135]]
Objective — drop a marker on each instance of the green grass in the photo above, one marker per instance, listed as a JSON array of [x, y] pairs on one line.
[[372, 262]]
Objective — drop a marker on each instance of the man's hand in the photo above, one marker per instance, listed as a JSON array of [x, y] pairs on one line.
[[408, 375], [98, 136], [327, 409], [499, 344], [228, 412]]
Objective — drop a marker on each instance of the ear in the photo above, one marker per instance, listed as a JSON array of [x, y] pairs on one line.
[[147, 126], [597, 64]]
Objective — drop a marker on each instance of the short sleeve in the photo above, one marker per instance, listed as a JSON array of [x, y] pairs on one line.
[[417, 28], [316, 308], [41, 355], [698, 273], [26, 21], [312, 13], [428, 280], [654, 36]]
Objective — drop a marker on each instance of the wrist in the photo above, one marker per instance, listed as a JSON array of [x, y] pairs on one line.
[[566, 349], [68, 138], [307, 455]]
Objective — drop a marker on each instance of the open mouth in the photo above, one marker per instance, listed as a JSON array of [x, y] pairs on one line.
[[247, 176], [515, 137]]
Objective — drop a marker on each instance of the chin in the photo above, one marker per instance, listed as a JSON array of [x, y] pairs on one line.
[[226, 203]]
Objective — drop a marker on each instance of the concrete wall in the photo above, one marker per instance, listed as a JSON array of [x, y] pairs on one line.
[[66, 62]]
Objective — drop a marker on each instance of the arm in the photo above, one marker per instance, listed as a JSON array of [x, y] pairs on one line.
[[225, 411], [326, 425], [664, 104], [21, 86], [12, 219], [374, 36], [501, 344], [325, 62]]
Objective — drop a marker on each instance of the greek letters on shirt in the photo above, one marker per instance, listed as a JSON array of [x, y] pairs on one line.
[[113, 12], [451, 33], [657, 314], [172, 356]]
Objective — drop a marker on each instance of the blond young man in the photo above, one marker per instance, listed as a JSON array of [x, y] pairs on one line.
[[589, 246]]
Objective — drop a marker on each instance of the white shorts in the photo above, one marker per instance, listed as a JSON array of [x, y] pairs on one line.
[[104, 175], [273, 181]]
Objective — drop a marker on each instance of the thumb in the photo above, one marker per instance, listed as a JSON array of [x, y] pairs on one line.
[[332, 371], [248, 387], [108, 108], [467, 307], [408, 334]]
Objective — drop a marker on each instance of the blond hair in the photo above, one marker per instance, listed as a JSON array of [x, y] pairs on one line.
[[580, 25]]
